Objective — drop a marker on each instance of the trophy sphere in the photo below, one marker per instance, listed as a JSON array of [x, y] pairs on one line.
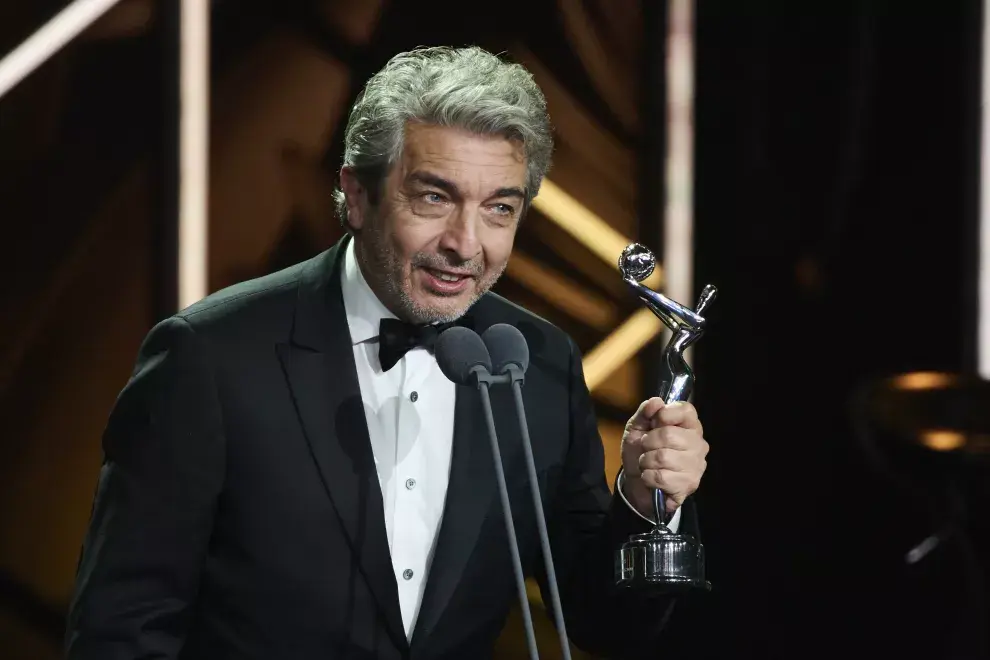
[[637, 262]]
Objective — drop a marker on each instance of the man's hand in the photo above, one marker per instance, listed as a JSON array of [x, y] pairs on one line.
[[662, 447]]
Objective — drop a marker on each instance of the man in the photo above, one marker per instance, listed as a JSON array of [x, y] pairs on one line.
[[288, 475]]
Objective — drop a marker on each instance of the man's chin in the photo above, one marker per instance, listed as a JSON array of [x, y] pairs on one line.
[[444, 308]]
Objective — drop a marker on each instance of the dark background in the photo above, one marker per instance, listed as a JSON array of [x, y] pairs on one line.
[[836, 209]]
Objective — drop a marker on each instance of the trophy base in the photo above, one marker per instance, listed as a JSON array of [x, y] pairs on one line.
[[662, 562]]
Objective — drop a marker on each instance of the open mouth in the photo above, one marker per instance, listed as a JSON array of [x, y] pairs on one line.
[[446, 282]]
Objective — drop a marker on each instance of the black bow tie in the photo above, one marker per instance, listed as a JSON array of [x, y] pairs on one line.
[[396, 338]]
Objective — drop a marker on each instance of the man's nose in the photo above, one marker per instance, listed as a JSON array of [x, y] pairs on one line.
[[461, 236]]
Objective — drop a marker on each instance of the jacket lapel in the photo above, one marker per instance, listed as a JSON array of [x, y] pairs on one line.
[[472, 492], [319, 366]]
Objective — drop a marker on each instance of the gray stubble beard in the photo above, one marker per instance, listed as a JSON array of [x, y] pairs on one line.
[[384, 271]]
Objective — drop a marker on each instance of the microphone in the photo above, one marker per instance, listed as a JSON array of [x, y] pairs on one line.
[[462, 356], [510, 357], [508, 350], [464, 359]]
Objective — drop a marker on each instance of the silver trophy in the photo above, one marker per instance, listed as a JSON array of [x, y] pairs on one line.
[[661, 560]]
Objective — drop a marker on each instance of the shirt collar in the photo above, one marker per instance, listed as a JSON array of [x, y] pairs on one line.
[[363, 308]]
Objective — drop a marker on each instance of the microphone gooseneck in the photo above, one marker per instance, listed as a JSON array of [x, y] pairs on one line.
[[464, 359], [510, 356]]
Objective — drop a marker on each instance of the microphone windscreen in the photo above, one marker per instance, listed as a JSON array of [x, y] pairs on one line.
[[458, 351], [506, 345]]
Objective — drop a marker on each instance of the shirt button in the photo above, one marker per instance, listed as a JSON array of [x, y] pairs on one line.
[[410, 484], [414, 397], [407, 574]]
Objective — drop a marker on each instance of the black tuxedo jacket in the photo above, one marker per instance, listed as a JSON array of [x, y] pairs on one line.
[[238, 512]]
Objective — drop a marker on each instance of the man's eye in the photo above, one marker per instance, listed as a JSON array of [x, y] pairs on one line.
[[433, 198], [503, 209]]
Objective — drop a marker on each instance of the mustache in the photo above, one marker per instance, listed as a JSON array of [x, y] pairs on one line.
[[476, 267]]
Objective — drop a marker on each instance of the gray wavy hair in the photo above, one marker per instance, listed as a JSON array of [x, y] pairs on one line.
[[466, 88]]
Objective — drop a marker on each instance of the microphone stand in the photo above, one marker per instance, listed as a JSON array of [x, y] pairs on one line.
[[484, 379], [516, 377]]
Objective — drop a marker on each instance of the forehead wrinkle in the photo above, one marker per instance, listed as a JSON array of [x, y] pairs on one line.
[[452, 151]]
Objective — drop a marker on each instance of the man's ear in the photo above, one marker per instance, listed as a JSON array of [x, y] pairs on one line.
[[355, 197]]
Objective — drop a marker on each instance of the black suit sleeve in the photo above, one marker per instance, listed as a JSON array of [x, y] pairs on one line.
[[587, 526], [153, 510]]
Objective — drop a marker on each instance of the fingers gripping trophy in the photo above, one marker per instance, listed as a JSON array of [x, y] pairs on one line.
[[661, 560]]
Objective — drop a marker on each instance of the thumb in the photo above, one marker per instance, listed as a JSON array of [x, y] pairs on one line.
[[642, 419]]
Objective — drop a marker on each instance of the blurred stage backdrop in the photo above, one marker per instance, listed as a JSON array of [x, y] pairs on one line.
[[835, 204]]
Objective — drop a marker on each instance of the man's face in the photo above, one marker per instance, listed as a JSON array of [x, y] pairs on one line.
[[443, 231]]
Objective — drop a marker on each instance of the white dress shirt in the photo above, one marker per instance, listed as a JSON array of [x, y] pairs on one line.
[[410, 415]]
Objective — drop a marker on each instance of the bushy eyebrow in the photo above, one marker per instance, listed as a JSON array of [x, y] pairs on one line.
[[451, 188]]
